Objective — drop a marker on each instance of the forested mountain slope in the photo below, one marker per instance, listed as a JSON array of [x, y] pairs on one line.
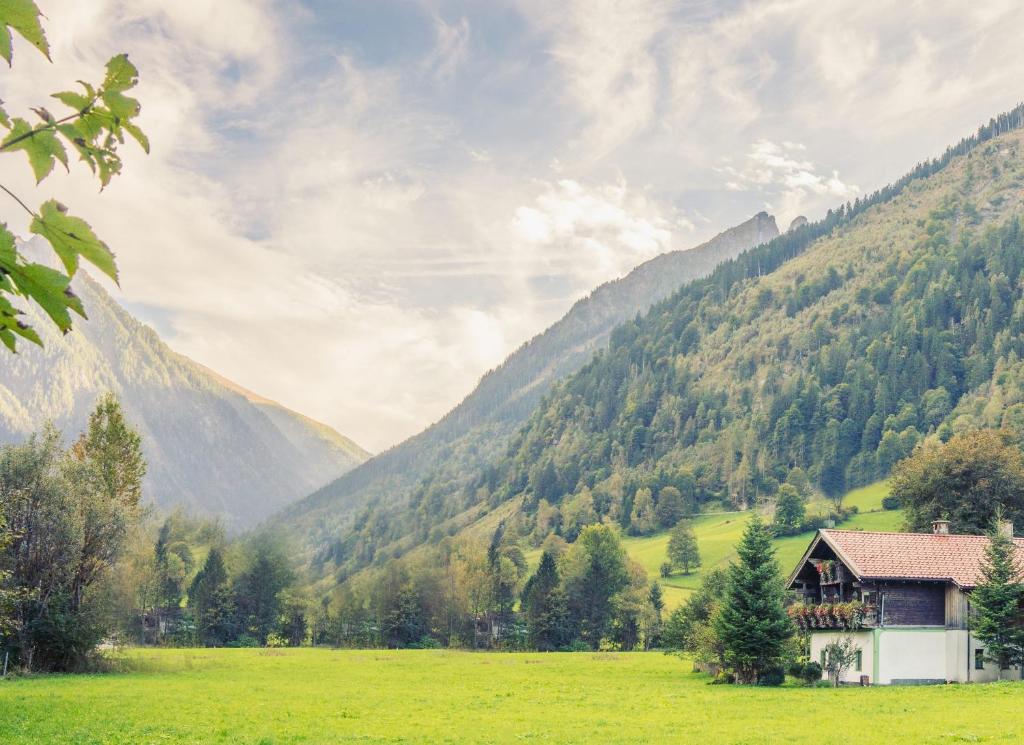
[[835, 347], [212, 446], [478, 428]]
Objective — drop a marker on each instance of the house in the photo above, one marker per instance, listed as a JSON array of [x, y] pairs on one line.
[[905, 598]]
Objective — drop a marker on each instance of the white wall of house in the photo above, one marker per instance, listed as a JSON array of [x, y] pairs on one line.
[[911, 654], [862, 639], [915, 654], [991, 671]]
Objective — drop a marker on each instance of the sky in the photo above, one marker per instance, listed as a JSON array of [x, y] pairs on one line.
[[358, 207]]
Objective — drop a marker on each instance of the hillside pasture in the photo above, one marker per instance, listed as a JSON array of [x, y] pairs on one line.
[[311, 696], [718, 534]]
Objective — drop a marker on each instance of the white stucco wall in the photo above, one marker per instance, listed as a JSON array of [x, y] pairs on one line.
[[911, 654], [991, 671], [915, 654], [862, 639]]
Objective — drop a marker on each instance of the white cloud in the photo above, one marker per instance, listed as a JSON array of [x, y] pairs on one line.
[[359, 227], [775, 170], [452, 47]]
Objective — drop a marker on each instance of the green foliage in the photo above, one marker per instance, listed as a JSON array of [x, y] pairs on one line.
[[967, 480], [545, 607], [998, 602], [752, 624], [790, 511], [690, 627], [683, 551], [101, 117], [594, 570], [212, 603], [258, 588], [840, 654], [69, 526]]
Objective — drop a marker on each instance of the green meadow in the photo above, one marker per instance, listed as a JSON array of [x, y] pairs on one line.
[[272, 697], [718, 533]]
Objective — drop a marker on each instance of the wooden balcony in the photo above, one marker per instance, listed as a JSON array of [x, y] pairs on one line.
[[851, 615]]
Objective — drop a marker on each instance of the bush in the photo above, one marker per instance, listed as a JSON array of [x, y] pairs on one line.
[[578, 645], [774, 676], [276, 640], [891, 502], [810, 673], [723, 678], [244, 641], [426, 642], [666, 570]]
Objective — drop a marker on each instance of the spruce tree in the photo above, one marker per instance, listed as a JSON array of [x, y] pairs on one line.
[[752, 625], [547, 616], [998, 602], [212, 602]]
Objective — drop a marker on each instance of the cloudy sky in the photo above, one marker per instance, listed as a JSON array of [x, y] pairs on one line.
[[357, 207]]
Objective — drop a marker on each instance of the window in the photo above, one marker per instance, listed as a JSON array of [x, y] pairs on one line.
[[979, 659], [859, 662]]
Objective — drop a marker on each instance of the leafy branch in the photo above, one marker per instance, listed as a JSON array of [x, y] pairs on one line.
[[101, 118]]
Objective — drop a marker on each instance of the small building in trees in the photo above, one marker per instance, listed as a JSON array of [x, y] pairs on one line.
[[905, 598]]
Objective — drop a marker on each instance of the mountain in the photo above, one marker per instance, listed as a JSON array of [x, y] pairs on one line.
[[834, 348], [213, 447], [479, 428]]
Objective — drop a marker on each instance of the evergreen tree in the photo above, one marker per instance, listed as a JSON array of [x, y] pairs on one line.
[[752, 624], [403, 624], [998, 602], [503, 577], [683, 551], [212, 603], [543, 602], [257, 589]]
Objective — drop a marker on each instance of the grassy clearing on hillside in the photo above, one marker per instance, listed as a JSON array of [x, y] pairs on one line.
[[273, 697], [717, 536]]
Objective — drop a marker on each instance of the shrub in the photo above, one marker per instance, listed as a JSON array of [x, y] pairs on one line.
[[578, 645], [244, 641], [810, 673], [276, 640], [773, 676], [666, 570], [426, 642], [891, 502]]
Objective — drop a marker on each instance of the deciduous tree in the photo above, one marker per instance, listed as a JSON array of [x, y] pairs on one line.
[[99, 119], [966, 480], [683, 550]]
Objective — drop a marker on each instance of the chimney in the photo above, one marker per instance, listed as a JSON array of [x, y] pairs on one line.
[[940, 527], [1006, 528]]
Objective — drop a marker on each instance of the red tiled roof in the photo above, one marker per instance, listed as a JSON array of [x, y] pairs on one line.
[[957, 558]]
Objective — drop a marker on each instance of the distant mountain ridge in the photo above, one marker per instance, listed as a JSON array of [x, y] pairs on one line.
[[213, 447], [483, 422]]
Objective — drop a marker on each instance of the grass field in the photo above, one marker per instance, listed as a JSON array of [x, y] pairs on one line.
[[717, 535], [272, 697]]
